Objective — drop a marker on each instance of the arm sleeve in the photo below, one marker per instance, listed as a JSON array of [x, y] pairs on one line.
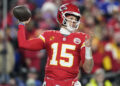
[[82, 49], [34, 44], [82, 55]]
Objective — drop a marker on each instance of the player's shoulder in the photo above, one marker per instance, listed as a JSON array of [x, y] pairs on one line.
[[48, 33], [81, 34], [51, 32]]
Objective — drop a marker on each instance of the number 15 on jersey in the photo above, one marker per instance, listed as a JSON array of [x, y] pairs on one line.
[[63, 54]]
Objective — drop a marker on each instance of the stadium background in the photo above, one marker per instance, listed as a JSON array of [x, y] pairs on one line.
[[26, 68]]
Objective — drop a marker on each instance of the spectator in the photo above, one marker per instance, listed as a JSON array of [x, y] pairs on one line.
[[107, 6], [99, 79], [12, 82], [49, 13], [9, 53], [15, 82], [113, 24], [97, 55], [113, 53], [32, 78]]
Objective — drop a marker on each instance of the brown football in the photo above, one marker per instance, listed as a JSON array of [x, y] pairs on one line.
[[22, 13]]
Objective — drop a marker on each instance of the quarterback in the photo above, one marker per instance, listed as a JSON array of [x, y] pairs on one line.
[[67, 49]]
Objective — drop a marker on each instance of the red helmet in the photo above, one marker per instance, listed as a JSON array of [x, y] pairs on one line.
[[67, 9]]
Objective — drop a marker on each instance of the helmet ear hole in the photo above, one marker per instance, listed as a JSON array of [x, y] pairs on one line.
[[59, 16]]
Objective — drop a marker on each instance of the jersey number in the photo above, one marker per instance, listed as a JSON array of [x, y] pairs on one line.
[[63, 54]]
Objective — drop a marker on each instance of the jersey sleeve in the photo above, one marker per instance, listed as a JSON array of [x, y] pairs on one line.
[[82, 54], [82, 49], [34, 44]]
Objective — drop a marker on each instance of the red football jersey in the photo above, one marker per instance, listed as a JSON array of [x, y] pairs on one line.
[[65, 53]]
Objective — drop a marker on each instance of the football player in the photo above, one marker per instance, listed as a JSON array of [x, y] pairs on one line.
[[66, 49]]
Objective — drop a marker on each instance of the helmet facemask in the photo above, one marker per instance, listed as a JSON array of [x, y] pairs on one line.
[[71, 25]]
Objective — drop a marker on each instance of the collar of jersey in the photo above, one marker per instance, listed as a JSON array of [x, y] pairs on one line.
[[64, 31]]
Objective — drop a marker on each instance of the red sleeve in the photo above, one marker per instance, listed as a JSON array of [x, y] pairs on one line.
[[34, 44], [82, 55], [82, 49]]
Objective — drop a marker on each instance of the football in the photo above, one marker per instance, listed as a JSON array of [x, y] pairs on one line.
[[22, 13]]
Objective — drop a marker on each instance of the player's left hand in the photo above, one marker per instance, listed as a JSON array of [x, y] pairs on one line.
[[88, 40]]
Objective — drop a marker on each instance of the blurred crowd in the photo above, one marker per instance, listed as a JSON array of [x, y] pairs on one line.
[[26, 68]]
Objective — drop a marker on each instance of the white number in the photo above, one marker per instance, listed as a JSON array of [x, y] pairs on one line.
[[63, 54], [67, 55], [54, 55]]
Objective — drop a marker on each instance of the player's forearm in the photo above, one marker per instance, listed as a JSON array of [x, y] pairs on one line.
[[35, 44], [88, 64]]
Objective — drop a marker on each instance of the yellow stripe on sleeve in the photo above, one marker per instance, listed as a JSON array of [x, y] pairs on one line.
[[83, 45], [42, 38]]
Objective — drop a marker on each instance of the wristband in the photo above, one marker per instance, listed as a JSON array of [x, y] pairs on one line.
[[21, 23], [88, 53]]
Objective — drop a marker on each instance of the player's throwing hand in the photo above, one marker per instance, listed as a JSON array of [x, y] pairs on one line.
[[22, 13]]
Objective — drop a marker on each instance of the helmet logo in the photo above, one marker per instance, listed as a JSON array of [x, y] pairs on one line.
[[63, 7]]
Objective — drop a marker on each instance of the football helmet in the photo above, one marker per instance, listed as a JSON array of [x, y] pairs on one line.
[[68, 9]]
